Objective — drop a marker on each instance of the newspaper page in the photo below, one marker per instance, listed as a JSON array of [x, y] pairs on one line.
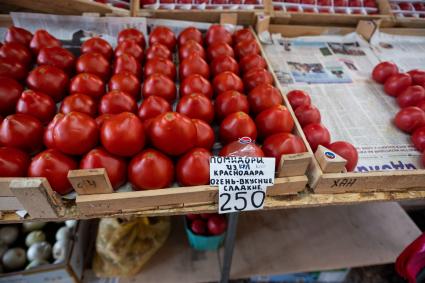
[[335, 71]]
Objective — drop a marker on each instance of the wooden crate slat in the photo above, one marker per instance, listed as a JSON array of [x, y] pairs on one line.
[[10, 204], [90, 181]]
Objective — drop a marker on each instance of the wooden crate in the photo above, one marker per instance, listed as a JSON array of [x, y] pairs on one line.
[[406, 21]]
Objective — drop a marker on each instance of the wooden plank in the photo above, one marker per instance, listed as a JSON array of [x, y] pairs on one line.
[[4, 187], [10, 204], [294, 164], [229, 18], [329, 161], [90, 181], [134, 8], [299, 30]]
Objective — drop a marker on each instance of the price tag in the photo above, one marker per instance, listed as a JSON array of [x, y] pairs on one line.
[[242, 181]]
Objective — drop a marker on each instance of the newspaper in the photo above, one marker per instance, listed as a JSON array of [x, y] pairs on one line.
[[335, 71]]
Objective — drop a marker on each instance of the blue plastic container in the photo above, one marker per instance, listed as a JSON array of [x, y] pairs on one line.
[[203, 243]]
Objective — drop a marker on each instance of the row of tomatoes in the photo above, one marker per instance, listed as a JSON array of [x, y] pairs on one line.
[[409, 91]]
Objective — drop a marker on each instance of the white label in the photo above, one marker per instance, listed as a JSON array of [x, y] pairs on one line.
[[241, 200]]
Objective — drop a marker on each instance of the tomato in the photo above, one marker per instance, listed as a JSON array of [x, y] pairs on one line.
[[115, 102], [196, 106], [102, 118], [257, 76], [317, 134], [274, 120], [13, 162], [282, 143], [97, 45], [58, 57], [152, 107], [93, 63], [163, 35], [123, 134], [54, 166], [204, 134], [196, 84], [173, 133], [126, 63], [242, 35], [189, 48], [247, 47], [348, 152], [227, 81], [418, 139], [410, 118], [132, 34], [159, 85], [151, 169], [190, 33], [229, 102], [307, 114], [194, 64], [193, 168], [42, 39], [219, 49], [198, 227], [79, 102], [235, 126], [297, 98], [21, 131], [129, 47], [217, 225], [160, 66], [411, 96], [16, 52], [218, 33], [395, 84], [115, 166], [36, 104], [49, 80], [125, 82], [48, 132], [263, 97], [224, 63], [18, 35], [14, 70], [158, 50], [252, 61], [87, 84], [421, 105], [383, 71], [239, 148], [418, 77], [10, 91]]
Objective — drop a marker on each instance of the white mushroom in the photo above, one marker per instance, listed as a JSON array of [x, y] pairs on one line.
[[59, 249], [64, 233], [71, 223], [40, 251]]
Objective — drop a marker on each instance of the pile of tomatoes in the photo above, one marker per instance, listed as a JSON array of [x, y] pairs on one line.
[[409, 91], [207, 224]]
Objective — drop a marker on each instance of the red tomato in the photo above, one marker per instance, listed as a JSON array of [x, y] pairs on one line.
[[395, 84], [263, 97], [163, 35], [123, 134], [49, 80], [194, 64], [79, 102], [204, 134], [13, 162], [196, 106], [173, 127], [115, 166], [189, 48], [418, 77], [297, 98], [54, 166], [219, 49], [242, 35], [217, 33], [227, 81], [159, 85], [132, 34], [282, 143], [21, 131], [421, 105], [58, 57], [238, 148], [224, 63], [307, 114], [190, 33], [97, 45], [252, 61], [93, 63], [10, 91], [150, 170], [235, 126], [257, 76], [125, 82], [152, 107], [317, 134], [18, 35], [418, 139], [102, 118], [274, 120], [383, 71], [160, 66], [348, 152], [48, 132], [196, 84], [193, 168], [411, 96], [87, 84], [76, 133], [11, 69], [229, 102], [199, 227], [158, 50], [410, 118], [247, 47], [126, 63], [36, 104], [42, 39], [217, 225], [16, 52], [115, 102], [129, 47]]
